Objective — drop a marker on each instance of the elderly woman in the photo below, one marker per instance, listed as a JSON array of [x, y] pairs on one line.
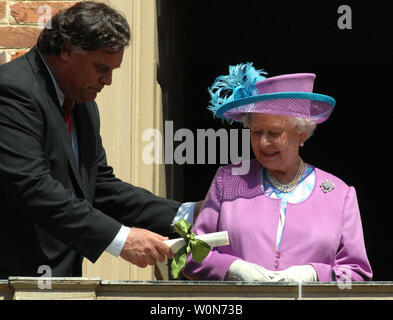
[[286, 219]]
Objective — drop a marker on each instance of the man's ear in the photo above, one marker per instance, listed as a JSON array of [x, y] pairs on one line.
[[64, 56], [65, 53]]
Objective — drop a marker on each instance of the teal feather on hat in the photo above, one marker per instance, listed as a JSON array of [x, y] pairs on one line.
[[240, 83]]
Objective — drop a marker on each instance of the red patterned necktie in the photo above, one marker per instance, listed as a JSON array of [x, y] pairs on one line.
[[67, 116]]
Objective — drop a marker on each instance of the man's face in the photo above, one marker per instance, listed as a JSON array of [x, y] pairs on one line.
[[87, 73]]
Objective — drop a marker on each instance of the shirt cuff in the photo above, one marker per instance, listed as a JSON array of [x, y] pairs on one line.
[[117, 244], [186, 212]]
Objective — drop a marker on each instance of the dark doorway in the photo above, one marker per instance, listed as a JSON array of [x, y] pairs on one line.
[[353, 65]]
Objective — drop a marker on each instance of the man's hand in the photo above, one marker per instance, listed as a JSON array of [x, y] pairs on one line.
[[144, 248]]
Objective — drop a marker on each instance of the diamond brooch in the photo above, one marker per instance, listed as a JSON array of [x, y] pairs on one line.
[[327, 186]]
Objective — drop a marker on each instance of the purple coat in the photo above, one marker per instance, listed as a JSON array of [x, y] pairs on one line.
[[325, 230]]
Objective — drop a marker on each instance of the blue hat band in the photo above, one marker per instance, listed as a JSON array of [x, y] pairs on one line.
[[273, 96]]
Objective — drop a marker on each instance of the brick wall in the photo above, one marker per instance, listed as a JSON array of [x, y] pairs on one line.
[[21, 22]]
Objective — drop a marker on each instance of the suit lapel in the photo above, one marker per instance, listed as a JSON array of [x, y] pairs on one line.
[[72, 160], [45, 85], [86, 140]]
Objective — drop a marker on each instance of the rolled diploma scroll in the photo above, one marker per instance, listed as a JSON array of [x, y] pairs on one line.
[[214, 239]]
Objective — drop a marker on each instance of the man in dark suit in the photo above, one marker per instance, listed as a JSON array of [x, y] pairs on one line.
[[59, 200]]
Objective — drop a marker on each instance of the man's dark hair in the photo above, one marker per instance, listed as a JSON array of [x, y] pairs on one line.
[[88, 25]]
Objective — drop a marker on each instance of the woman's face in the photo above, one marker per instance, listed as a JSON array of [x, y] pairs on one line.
[[275, 142]]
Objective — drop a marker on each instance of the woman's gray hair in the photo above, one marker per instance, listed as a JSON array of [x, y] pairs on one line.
[[302, 125]]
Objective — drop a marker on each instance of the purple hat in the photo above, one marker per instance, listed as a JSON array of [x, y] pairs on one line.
[[246, 90]]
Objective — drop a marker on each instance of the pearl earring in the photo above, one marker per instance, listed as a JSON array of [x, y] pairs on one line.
[[301, 144]]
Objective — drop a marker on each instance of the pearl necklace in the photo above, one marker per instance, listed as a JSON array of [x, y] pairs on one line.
[[290, 186]]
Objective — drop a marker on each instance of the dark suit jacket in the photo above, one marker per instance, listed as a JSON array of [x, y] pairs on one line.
[[53, 210]]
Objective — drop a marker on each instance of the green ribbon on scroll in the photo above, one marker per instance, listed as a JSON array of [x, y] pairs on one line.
[[200, 249]]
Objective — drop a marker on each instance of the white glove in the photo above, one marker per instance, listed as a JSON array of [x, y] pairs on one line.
[[304, 273], [241, 270]]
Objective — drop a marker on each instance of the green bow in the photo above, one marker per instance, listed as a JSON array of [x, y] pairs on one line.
[[200, 249]]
